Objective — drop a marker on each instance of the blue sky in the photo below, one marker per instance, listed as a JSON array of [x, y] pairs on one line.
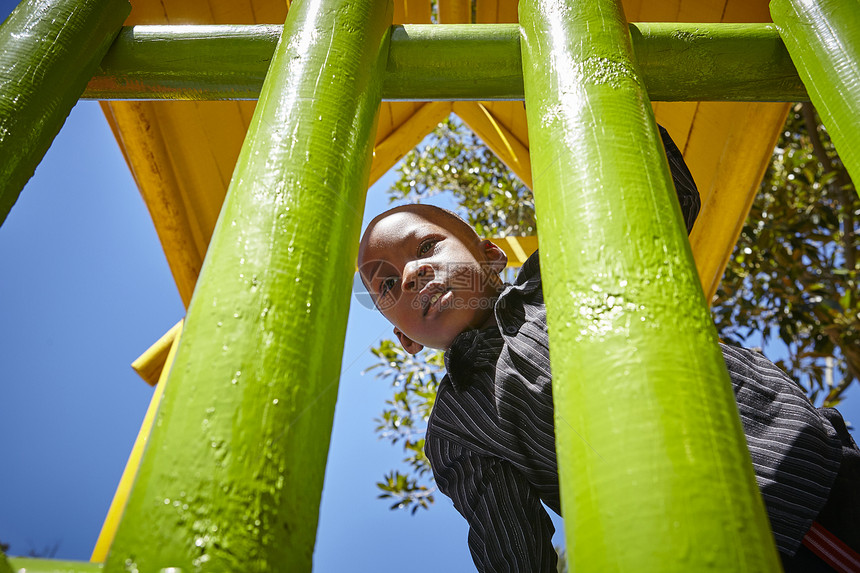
[[84, 290]]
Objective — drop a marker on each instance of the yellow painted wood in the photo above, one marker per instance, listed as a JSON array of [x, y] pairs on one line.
[[150, 364], [496, 11], [486, 11], [390, 150], [192, 158], [701, 11], [108, 531], [455, 12], [677, 118], [392, 115], [508, 12], [733, 190], [518, 249], [497, 137], [512, 116], [713, 125], [411, 12], [148, 156], [632, 10], [665, 11], [746, 11]]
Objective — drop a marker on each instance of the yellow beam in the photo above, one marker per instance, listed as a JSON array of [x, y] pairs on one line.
[[497, 137], [455, 12], [726, 204], [150, 364], [117, 506], [146, 150], [406, 136], [517, 249]]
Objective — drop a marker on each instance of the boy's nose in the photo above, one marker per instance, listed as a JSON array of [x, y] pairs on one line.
[[416, 275]]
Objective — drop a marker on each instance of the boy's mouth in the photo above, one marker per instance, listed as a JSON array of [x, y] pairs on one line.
[[431, 295]]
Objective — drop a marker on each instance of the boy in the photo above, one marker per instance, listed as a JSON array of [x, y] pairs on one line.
[[490, 438]]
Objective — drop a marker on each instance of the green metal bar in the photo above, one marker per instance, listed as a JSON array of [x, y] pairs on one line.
[[33, 565], [454, 62], [680, 62], [823, 38], [186, 63], [49, 49], [715, 62], [654, 471], [232, 474]]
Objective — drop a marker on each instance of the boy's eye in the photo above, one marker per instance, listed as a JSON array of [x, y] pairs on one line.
[[425, 247], [386, 285]]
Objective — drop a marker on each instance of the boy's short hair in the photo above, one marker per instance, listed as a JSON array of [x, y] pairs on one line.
[[457, 224], [446, 217]]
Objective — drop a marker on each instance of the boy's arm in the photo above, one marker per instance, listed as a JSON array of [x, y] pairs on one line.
[[509, 530], [795, 448], [685, 187]]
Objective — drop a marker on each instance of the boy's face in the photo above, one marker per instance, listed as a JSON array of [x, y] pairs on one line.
[[430, 282]]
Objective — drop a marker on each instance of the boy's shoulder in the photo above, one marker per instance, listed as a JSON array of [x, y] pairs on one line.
[[529, 273]]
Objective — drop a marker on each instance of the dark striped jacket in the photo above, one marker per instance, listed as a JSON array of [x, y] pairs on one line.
[[491, 441]]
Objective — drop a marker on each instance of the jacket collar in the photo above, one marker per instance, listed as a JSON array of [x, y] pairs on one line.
[[474, 349]]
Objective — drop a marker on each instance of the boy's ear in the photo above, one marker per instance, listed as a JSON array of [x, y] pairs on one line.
[[407, 343], [495, 256]]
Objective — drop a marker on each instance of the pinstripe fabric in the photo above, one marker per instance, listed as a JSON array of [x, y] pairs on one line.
[[491, 442], [685, 187]]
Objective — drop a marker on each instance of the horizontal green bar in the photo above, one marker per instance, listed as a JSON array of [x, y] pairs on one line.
[[186, 63], [33, 565], [454, 62], [715, 62], [680, 62]]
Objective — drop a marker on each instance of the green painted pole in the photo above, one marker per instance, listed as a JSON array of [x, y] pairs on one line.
[[715, 62], [49, 49], [223, 62], [454, 62], [232, 474], [680, 62], [33, 565], [823, 38], [654, 471]]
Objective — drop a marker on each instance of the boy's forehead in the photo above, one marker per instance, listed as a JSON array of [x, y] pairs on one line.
[[397, 227]]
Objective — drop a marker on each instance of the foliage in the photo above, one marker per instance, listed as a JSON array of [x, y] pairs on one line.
[[793, 276], [490, 197], [404, 420]]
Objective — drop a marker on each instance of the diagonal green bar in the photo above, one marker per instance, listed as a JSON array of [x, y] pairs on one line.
[[232, 474], [49, 49], [823, 38], [654, 471], [680, 62]]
